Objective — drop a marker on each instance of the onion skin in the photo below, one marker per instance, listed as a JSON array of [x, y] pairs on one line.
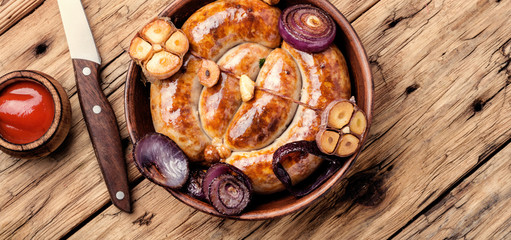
[[161, 161], [224, 200], [305, 147], [307, 28], [194, 184]]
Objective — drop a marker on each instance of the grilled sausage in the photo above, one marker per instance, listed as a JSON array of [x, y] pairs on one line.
[[221, 25], [324, 79], [212, 31], [261, 120], [219, 103], [174, 109]]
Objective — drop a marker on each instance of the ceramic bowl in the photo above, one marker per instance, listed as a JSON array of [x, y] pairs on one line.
[[138, 116]]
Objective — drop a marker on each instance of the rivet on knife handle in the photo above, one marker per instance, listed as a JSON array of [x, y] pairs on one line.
[[103, 132]]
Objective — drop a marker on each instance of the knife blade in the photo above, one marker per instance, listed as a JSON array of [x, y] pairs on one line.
[[97, 111]]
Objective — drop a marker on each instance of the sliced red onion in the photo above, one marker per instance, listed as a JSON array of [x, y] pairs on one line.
[[194, 184], [227, 188], [161, 161], [228, 194], [304, 147], [307, 28]]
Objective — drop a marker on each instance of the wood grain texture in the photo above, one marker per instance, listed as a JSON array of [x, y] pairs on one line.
[[438, 76], [11, 11], [48, 197], [477, 209], [442, 71]]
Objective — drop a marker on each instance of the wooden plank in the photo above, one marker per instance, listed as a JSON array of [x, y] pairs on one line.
[[11, 11], [441, 74], [353, 9], [48, 197], [477, 209]]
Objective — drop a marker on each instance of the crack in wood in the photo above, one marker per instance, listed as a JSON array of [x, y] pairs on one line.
[[427, 198], [32, 214], [445, 194], [395, 20], [3, 2], [6, 27], [145, 219], [87, 220]]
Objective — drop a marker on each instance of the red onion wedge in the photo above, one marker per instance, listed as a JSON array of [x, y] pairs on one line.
[[161, 161], [307, 28], [227, 188], [332, 164]]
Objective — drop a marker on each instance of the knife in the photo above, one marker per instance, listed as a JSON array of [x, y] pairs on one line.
[[98, 114]]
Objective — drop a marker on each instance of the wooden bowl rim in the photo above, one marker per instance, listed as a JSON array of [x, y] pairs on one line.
[[50, 84], [305, 201]]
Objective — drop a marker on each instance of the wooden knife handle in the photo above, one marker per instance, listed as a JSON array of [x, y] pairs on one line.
[[103, 132]]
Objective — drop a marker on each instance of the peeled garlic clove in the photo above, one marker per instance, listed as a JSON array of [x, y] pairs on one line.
[[177, 43], [162, 65], [157, 31], [247, 87], [140, 50]]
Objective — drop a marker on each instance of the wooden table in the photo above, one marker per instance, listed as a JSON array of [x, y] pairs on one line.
[[437, 163]]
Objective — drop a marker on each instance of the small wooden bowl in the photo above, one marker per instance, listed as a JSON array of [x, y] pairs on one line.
[[61, 119], [139, 123]]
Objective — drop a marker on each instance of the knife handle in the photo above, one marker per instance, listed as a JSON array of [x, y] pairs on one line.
[[103, 131]]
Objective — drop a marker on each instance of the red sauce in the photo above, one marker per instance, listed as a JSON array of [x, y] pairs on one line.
[[26, 112]]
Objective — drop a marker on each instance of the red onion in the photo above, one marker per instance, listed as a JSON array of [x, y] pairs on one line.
[[161, 161], [194, 184], [227, 188], [307, 28], [228, 194], [305, 147]]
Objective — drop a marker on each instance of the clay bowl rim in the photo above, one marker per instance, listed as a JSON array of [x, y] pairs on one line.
[[364, 88], [45, 81]]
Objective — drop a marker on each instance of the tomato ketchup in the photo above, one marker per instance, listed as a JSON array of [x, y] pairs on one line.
[[26, 111]]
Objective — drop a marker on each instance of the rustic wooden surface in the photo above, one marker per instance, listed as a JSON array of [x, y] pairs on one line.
[[12, 11], [437, 163]]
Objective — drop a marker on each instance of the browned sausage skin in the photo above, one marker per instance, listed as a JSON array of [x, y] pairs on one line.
[[174, 109], [261, 120], [212, 31], [324, 79], [221, 25], [219, 103]]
